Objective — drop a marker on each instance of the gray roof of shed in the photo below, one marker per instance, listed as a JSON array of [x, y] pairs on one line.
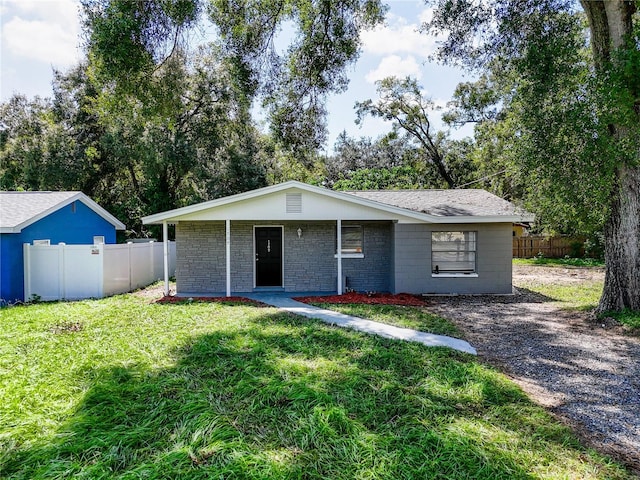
[[443, 203], [20, 209]]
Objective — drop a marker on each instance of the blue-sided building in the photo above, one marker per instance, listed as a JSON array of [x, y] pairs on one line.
[[46, 217]]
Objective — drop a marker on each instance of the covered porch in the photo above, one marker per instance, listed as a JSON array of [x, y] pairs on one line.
[[234, 257]]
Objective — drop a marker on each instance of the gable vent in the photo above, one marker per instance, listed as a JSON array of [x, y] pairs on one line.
[[294, 203]]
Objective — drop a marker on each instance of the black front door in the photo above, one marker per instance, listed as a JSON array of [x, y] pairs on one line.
[[268, 256]]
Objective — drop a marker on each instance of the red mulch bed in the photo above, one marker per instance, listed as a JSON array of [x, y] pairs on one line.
[[173, 299], [404, 299]]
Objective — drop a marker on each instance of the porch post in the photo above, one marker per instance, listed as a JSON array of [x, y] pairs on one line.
[[339, 254], [165, 251], [228, 254]]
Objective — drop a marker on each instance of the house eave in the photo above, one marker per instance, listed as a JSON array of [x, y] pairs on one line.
[[387, 211]]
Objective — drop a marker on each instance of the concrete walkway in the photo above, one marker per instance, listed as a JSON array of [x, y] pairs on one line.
[[286, 303]]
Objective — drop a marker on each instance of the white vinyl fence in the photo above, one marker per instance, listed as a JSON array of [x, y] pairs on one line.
[[72, 272]]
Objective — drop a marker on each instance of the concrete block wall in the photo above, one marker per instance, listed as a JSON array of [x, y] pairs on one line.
[[373, 272], [309, 262], [412, 261], [200, 257], [242, 256]]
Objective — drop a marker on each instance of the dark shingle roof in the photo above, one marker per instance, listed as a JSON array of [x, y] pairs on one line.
[[443, 203], [17, 208]]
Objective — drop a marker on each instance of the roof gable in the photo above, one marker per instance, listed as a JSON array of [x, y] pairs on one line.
[[270, 203], [18, 210]]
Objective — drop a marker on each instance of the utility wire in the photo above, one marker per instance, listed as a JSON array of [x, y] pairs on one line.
[[481, 179]]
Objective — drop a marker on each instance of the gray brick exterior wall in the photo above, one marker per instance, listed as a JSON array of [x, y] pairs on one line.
[[373, 272], [200, 257], [309, 262]]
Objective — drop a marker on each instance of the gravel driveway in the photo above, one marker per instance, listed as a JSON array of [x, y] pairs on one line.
[[585, 372]]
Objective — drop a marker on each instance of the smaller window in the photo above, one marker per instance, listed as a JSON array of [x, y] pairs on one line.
[[98, 239], [42, 242], [352, 239], [453, 252]]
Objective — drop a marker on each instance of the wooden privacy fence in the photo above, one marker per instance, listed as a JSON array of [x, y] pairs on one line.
[[72, 272], [550, 247]]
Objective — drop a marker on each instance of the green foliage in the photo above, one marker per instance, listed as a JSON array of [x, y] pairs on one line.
[[129, 41], [24, 142], [393, 178], [537, 110], [473, 102], [295, 82], [96, 389], [401, 101], [192, 140], [392, 161]]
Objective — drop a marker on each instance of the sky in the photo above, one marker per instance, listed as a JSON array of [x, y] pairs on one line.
[[40, 35]]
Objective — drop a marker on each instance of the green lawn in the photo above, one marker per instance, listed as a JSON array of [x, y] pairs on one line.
[[579, 296], [120, 388], [400, 316], [583, 296], [560, 262]]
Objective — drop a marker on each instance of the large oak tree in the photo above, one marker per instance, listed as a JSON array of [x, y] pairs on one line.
[[578, 111]]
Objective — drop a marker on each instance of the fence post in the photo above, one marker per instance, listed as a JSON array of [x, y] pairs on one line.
[[62, 286], [152, 262], [26, 253], [100, 247], [129, 260]]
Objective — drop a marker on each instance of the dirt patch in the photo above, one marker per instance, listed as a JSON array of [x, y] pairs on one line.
[[155, 291], [556, 275], [67, 327], [403, 299]]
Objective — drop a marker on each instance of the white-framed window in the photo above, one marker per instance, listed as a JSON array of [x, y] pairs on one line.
[[453, 253], [46, 242], [352, 239], [98, 239]]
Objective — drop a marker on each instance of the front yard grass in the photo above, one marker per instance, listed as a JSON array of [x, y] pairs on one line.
[[582, 296], [560, 262], [400, 316], [120, 388]]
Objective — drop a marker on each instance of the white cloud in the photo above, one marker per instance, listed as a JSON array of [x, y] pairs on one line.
[[46, 31], [426, 15], [55, 11], [398, 36], [395, 66]]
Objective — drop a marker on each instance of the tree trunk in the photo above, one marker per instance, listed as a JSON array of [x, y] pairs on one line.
[[622, 245], [611, 26]]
